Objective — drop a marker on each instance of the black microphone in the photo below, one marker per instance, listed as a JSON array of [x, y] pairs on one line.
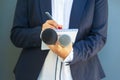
[[50, 36]]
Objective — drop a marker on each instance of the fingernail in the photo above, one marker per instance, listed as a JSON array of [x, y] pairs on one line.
[[59, 27]]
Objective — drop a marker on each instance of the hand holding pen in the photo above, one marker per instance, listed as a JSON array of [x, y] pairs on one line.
[[50, 23]]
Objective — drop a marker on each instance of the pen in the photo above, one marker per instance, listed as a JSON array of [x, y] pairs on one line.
[[50, 17]]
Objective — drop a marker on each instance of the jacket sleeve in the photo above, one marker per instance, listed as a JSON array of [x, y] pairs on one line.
[[93, 43], [24, 35]]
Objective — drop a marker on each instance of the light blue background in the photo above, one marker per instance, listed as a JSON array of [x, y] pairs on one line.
[[109, 56]]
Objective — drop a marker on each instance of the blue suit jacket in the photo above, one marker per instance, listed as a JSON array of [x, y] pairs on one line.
[[89, 16]]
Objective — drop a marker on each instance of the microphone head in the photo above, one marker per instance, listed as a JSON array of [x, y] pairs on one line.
[[64, 40], [49, 36]]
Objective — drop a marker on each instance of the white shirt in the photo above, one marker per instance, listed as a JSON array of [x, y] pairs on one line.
[[52, 68], [61, 10]]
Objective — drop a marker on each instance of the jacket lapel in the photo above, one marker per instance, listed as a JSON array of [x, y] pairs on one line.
[[76, 13], [45, 6]]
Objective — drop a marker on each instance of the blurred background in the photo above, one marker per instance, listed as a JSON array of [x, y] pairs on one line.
[[109, 56]]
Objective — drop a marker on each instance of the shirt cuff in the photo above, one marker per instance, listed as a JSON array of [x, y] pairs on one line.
[[69, 58]]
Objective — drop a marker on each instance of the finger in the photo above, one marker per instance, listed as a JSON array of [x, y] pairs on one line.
[[52, 48], [46, 25], [59, 27], [53, 23]]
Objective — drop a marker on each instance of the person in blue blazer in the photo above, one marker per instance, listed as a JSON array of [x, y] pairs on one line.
[[90, 17]]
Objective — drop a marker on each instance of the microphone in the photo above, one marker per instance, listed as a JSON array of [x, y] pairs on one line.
[[64, 40], [50, 37]]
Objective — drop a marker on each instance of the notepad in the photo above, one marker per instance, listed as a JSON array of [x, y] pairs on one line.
[[71, 32]]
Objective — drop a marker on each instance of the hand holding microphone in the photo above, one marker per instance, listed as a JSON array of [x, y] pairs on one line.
[[61, 45]]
